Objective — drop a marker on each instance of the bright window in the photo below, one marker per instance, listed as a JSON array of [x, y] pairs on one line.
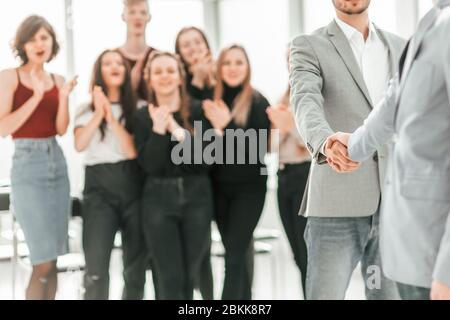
[[424, 6], [261, 26]]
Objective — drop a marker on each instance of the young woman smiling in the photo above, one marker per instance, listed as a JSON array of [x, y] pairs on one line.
[[239, 189], [177, 199], [193, 48], [34, 110], [111, 197]]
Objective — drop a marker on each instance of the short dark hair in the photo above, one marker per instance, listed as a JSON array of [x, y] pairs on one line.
[[27, 29]]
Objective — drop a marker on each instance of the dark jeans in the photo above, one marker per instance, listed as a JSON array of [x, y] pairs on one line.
[[291, 186], [205, 281], [238, 208], [408, 292], [111, 202], [177, 215]]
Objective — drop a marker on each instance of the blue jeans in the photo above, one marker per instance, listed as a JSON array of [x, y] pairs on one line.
[[335, 246]]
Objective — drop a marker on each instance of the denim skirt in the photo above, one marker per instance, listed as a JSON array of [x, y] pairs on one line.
[[40, 196]]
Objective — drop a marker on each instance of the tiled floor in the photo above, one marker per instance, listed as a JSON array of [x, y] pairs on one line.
[[275, 277]]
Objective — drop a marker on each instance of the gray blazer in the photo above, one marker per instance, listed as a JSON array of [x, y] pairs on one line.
[[328, 94], [415, 211]]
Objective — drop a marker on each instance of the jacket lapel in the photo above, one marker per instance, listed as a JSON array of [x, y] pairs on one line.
[[342, 46], [392, 51]]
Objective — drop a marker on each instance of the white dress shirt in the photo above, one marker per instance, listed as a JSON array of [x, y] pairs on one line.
[[372, 57]]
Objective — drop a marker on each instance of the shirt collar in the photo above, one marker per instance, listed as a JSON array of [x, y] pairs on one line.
[[350, 31]]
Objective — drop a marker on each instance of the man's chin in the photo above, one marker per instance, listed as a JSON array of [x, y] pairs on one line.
[[352, 12]]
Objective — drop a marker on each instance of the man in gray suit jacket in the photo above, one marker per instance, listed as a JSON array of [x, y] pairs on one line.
[[337, 75], [415, 225]]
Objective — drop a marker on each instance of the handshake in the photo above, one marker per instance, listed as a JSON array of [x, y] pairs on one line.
[[336, 151]]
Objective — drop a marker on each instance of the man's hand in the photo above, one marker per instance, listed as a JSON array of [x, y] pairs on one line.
[[337, 156], [439, 291], [342, 137]]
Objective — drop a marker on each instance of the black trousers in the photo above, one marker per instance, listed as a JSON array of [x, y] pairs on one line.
[[177, 214], [205, 281], [291, 186], [238, 208], [111, 202]]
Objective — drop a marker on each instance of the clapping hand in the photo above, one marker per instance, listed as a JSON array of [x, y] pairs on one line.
[[68, 87], [98, 99], [281, 118], [104, 103], [160, 117], [337, 153], [217, 113], [175, 129], [203, 71]]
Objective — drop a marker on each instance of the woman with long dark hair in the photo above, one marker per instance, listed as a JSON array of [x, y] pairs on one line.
[[194, 50], [34, 110], [111, 196], [238, 112], [177, 197]]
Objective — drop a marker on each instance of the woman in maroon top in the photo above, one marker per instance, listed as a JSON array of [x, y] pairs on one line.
[[33, 110]]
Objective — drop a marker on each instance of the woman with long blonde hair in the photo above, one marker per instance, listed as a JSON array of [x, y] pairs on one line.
[[239, 186]]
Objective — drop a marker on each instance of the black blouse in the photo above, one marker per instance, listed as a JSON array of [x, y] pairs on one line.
[[155, 150], [197, 93], [249, 172]]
